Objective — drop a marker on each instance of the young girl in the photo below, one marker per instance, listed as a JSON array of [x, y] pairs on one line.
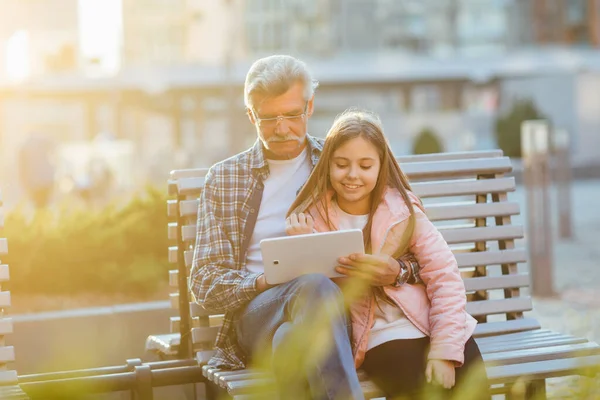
[[402, 335]]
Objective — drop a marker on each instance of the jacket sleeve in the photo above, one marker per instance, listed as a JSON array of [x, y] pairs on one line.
[[216, 282], [445, 290]]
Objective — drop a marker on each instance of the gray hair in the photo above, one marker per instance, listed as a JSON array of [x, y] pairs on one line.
[[273, 76]]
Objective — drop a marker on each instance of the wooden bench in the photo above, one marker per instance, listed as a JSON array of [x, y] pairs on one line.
[[9, 388], [466, 196]]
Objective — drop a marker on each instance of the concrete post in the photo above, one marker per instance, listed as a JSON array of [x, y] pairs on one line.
[[563, 182], [535, 149]]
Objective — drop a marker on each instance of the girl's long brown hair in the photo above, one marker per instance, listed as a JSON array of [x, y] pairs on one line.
[[347, 126]]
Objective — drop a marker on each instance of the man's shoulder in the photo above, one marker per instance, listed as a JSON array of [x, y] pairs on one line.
[[238, 164]]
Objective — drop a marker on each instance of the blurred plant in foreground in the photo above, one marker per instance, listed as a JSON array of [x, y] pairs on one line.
[[73, 251]]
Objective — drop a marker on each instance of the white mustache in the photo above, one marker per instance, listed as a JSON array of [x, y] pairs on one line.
[[275, 139]]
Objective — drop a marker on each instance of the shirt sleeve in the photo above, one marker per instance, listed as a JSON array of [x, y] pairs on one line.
[[216, 282]]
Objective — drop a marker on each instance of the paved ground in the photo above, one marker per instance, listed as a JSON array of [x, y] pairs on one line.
[[576, 308]]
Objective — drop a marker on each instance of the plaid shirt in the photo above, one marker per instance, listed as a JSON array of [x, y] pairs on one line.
[[226, 218], [227, 215]]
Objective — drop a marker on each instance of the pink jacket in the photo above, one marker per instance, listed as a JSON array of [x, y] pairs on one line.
[[436, 308]]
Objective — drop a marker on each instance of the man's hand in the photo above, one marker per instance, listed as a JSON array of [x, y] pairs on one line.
[[377, 270], [299, 224], [441, 372]]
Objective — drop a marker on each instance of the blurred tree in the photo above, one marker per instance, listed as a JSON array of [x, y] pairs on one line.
[[427, 142], [508, 126]]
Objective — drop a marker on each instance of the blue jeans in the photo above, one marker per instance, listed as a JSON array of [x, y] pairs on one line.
[[308, 358]]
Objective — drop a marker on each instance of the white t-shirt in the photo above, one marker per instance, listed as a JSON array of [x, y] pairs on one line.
[[390, 322], [285, 178]]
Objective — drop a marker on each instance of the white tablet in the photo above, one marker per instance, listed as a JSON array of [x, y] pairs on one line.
[[286, 258]]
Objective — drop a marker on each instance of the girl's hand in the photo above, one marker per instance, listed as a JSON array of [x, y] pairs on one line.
[[300, 224], [377, 270], [441, 372]]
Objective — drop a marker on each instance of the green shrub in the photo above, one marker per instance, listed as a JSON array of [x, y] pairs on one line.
[[508, 126], [427, 142], [113, 250]]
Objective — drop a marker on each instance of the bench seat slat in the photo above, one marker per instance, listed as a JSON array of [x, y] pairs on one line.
[[538, 333], [541, 369], [541, 354], [505, 327], [535, 344]]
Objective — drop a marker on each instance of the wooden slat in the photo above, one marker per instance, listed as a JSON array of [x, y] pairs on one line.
[[189, 186], [174, 278], [541, 369], [541, 354], [173, 254], [463, 187], [204, 334], [7, 354], [4, 299], [496, 282], [196, 310], [4, 273], [235, 388], [483, 234], [6, 326], [3, 246], [458, 155], [188, 233], [488, 307], [172, 208], [8, 377], [188, 173], [505, 327], [172, 231], [188, 208], [532, 344], [457, 168], [188, 256], [447, 212], [538, 333], [495, 257]]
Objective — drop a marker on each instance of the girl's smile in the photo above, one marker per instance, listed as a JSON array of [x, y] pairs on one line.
[[354, 171]]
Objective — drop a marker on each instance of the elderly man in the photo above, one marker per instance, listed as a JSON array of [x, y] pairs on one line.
[[245, 200]]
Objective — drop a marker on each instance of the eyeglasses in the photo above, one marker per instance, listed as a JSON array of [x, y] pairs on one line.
[[268, 123]]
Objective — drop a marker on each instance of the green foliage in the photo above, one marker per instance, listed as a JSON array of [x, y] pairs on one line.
[[508, 126], [427, 142], [112, 250]]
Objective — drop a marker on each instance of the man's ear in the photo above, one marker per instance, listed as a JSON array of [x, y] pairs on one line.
[[250, 115], [310, 106]]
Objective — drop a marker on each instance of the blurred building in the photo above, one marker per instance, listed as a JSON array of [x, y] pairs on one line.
[[47, 30], [450, 66]]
